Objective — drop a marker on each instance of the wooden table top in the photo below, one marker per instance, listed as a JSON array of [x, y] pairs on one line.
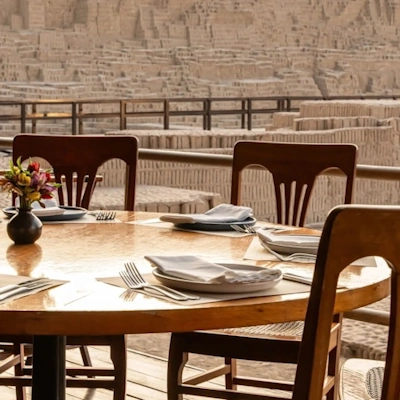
[[81, 252]]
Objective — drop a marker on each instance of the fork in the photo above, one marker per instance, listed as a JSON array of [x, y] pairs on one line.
[[106, 216], [27, 283], [243, 228], [299, 257], [250, 228], [22, 289], [133, 284], [134, 273]]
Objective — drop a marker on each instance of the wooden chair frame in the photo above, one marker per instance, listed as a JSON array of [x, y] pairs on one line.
[[76, 159], [351, 232], [283, 161], [293, 189]]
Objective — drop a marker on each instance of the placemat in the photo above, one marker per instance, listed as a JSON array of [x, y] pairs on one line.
[[283, 287]]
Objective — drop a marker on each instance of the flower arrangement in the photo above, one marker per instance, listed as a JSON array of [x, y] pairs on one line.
[[30, 184]]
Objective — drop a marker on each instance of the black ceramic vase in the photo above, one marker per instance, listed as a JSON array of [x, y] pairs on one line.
[[24, 227]]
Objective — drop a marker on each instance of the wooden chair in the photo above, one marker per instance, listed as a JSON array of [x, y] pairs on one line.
[[374, 379], [295, 168], [350, 233], [76, 159]]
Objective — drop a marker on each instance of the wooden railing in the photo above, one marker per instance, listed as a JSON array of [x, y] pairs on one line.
[[363, 171], [76, 111]]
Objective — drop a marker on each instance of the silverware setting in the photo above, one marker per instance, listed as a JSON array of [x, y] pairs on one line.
[[243, 228], [106, 215], [134, 280], [23, 287], [297, 278], [295, 257]]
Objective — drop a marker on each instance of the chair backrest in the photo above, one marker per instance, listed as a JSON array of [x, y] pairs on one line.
[[350, 232], [294, 167], [77, 159]]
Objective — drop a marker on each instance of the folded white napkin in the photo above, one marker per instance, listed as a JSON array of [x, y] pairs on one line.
[[310, 241], [50, 209], [219, 214], [195, 269]]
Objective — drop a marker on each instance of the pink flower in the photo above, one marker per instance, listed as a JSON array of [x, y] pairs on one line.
[[30, 184]]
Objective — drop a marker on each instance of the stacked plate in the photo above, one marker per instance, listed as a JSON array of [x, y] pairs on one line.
[[216, 226], [61, 213], [234, 287], [220, 218], [193, 273], [289, 242]]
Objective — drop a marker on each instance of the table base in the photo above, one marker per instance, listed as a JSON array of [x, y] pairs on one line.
[[48, 377]]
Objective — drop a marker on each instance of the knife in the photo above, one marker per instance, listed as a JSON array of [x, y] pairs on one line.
[[23, 289], [7, 288]]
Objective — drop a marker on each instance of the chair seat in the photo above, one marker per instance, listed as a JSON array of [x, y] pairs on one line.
[[361, 379], [288, 330]]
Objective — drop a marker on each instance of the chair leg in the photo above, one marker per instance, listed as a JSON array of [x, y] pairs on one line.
[[177, 360], [232, 373], [87, 362], [20, 390], [334, 360], [119, 359]]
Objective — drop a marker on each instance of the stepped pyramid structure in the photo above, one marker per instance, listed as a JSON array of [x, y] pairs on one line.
[[373, 125], [196, 48]]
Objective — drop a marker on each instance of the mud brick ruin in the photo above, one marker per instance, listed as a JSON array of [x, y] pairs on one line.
[[195, 48]]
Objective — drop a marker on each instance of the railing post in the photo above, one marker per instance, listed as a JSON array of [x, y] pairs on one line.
[[288, 105], [243, 116], [122, 115], [205, 115], [249, 114], [80, 118], [73, 113], [209, 114], [166, 114], [33, 118], [23, 117]]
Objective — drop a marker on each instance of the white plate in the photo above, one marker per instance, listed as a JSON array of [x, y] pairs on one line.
[[179, 283], [289, 244], [70, 213]]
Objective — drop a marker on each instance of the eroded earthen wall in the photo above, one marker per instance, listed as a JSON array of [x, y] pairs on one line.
[[130, 48]]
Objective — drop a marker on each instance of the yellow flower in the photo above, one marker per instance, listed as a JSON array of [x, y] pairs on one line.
[[23, 180], [33, 196]]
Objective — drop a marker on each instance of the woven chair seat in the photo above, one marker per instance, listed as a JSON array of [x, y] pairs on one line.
[[292, 330], [361, 379]]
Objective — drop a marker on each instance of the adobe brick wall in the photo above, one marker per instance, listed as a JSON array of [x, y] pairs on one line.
[[197, 48]]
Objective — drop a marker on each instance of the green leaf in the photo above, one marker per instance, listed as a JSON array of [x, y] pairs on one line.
[[19, 163]]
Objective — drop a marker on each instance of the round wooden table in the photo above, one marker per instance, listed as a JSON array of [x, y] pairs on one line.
[[80, 253]]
